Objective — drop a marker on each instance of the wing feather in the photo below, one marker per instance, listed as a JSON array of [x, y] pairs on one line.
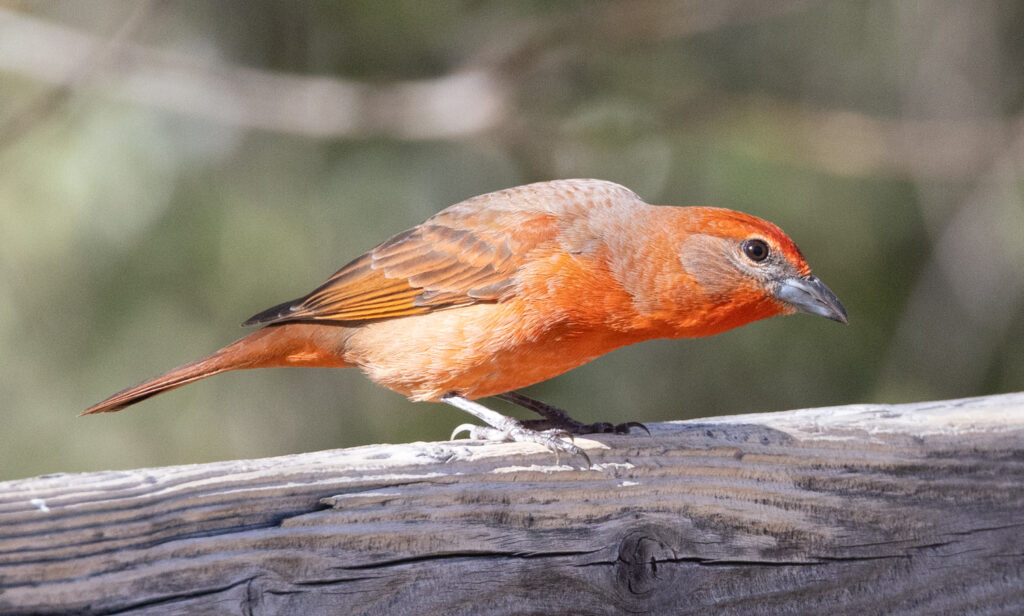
[[456, 258]]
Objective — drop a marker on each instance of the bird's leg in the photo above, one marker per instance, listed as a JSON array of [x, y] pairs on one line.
[[509, 429], [555, 417]]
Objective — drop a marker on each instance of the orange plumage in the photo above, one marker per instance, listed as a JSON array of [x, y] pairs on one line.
[[517, 286]]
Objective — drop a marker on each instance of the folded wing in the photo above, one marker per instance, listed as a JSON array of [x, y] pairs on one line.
[[453, 259]]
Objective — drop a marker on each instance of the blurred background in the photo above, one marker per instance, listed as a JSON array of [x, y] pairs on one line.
[[168, 168]]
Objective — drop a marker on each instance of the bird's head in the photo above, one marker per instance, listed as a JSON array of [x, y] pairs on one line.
[[742, 268]]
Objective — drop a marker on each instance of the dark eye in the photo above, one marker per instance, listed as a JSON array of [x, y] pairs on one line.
[[756, 250]]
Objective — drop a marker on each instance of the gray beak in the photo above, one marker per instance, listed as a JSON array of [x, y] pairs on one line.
[[810, 295]]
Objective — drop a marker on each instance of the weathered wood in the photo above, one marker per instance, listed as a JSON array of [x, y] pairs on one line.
[[912, 509]]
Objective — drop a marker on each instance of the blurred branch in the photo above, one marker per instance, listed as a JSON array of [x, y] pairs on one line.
[[480, 96], [465, 102], [461, 103], [20, 121]]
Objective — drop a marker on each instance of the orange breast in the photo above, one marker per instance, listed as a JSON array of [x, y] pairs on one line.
[[476, 351], [566, 313]]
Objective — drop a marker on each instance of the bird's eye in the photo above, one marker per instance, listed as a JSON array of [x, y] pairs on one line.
[[755, 249]]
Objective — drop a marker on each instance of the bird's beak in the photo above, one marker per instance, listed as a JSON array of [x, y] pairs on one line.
[[810, 295]]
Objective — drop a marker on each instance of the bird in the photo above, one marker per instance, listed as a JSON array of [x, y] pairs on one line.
[[514, 287]]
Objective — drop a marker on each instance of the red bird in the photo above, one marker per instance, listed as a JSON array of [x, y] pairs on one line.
[[517, 286]]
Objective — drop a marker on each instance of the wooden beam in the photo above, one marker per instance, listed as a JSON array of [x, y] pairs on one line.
[[868, 509]]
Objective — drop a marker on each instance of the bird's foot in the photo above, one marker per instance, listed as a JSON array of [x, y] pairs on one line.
[[504, 428], [555, 440], [556, 418]]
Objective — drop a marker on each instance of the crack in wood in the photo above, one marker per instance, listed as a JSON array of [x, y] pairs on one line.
[[168, 600]]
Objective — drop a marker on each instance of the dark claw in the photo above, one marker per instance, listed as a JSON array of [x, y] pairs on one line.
[[582, 454], [624, 428]]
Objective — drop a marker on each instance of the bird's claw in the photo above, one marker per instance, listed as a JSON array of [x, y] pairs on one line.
[[473, 432], [555, 440], [624, 428]]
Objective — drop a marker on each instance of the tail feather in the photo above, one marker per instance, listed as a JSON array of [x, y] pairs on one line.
[[182, 375], [291, 344]]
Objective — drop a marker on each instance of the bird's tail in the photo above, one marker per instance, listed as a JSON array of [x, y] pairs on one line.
[[291, 344]]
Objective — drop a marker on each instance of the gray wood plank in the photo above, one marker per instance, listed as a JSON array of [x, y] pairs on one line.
[[868, 509]]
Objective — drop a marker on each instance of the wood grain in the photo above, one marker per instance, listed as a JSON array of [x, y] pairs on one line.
[[911, 509]]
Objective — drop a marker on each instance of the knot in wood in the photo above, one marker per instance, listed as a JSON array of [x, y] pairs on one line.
[[640, 569]]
